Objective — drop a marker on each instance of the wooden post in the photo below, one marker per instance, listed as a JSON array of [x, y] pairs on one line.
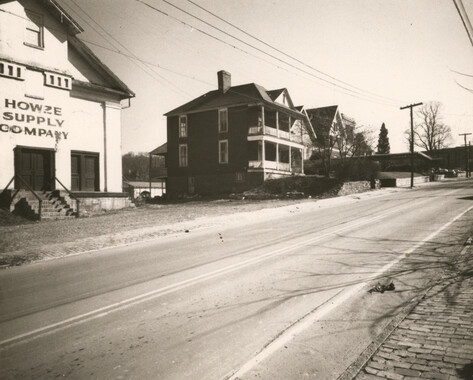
[[467, 169], [411, 106], [149, 174]]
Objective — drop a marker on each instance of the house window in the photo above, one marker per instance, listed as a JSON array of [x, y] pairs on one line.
[[34, 30], [183, 155], [223, 152], [183, 126], [223, 120]]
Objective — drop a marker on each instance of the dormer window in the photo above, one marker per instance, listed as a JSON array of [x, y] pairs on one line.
[[183, 126], [34, 30], [223, 120]]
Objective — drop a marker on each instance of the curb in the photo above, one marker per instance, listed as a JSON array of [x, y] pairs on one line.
[[355, 368]]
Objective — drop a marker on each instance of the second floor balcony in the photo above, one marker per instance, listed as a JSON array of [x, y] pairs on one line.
[[274, 123]]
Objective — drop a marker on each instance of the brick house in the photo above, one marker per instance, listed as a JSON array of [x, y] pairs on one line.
[[234, 138]]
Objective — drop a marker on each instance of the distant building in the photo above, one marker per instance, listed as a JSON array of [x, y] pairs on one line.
[[234, 138], [454, 158], [60, 111], [155, 188], [401, 162]]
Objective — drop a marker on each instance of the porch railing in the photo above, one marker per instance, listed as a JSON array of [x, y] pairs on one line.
[[284, 166]]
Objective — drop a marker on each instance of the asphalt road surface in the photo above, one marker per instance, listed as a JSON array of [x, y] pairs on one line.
[[284, 299]]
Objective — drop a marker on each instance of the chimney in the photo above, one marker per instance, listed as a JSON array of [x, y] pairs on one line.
[[224, 81]]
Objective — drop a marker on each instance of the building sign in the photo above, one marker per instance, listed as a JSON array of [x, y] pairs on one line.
[[32, 119]]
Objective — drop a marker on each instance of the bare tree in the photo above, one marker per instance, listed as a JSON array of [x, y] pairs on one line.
[[430, 133]]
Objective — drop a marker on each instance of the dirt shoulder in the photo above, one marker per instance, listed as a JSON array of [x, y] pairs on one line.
[[20, 244], [32, 241]]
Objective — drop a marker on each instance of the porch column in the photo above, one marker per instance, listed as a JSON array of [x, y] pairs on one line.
[[263, 153], [262, 120], [277, 156], [302, 160], [290, 138], [290, 160], [277, 123]]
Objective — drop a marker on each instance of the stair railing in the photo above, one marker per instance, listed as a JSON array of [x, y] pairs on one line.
[[71, 195], [28, 187]]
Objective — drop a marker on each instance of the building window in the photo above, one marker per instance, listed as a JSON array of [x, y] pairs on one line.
[[183, 155], [57, 80], [223, 152], [223, 120], [183, 126], [11, 70], [34, 30]]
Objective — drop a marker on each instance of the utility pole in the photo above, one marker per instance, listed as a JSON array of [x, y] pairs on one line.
[[467, 169], [411, 106]]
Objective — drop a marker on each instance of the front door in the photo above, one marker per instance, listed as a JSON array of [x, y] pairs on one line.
[[35, 167], [84, 171]]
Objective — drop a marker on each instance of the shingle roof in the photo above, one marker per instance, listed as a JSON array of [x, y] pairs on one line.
[[243, 94], [160, 150]]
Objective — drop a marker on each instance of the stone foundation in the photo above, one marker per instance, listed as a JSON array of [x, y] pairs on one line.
[[96, 203]]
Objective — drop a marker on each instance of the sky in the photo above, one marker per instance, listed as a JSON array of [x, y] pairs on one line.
[[369, 57]]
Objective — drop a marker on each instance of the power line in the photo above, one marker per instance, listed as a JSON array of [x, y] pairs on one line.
[[170, 84], [465, 75], [350, 91], [262, 51], [464, 17], [147, 62], [465, 88], [285, 54]]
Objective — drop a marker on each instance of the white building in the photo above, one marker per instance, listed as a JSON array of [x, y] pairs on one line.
[[60, 107]]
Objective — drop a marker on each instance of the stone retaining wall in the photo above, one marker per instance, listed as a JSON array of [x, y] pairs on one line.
[[354, 187], [403, 182]]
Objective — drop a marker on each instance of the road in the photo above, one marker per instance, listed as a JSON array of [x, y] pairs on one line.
[[283, 299]]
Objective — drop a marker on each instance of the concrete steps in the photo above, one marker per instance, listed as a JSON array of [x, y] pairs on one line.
[[54, 205]]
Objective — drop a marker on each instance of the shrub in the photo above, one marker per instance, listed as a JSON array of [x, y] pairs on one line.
[[356, 170]]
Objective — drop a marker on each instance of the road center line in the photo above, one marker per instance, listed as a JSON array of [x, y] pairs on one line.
[[328, 306], [120, 305]]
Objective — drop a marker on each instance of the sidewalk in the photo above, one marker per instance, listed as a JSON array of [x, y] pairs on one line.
[[435, 340]]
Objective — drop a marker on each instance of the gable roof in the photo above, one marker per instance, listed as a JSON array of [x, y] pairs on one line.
[[161, 150], [63, 17], [322, 119], [73, 28], [115, 82], [274, 94], [235, 95]]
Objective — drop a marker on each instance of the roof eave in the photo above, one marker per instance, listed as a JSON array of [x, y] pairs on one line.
[[72, 25], [89, 55]]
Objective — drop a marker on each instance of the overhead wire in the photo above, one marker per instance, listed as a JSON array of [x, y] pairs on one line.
[[465, 75], [348, 91], [162, 79], [285, 54], [367, 97]]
